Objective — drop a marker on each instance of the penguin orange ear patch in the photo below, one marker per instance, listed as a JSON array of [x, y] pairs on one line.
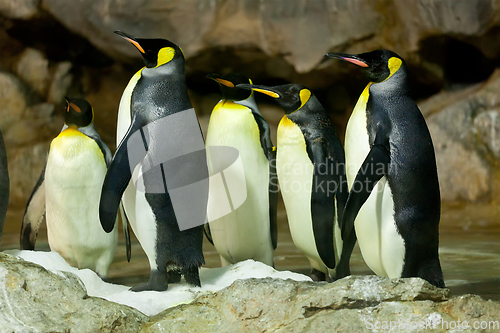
[[226, 83], [74, 107], [267, 92]]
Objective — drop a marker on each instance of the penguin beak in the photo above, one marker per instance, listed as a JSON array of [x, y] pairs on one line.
[[353, 59], [217, 77], [131, 40], [262, 89]]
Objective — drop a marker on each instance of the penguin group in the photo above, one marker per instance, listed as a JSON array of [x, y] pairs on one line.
[[380, 188]]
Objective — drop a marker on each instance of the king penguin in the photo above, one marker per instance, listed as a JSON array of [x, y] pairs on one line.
[[4, 184], [157, 123], [250, 230], [67, 194], [310, 165], [394, 200]]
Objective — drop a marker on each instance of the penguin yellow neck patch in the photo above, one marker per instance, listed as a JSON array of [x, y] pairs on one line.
[[285, 122], [394, 64], [70, 131], [305, 94], [165, 55]]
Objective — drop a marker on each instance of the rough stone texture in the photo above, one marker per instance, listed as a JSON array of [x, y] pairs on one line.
[[12, 99], [348, 305], [19, 9], [33, 299], [25, 166], [465, 128], [272, 41], [60, 82], [422, 18], [303, 31], [33, 68]]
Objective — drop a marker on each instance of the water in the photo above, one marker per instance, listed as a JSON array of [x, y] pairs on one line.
[[469, 251]]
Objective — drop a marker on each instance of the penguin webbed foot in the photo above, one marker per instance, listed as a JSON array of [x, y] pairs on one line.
[[192, 275], [317, 275], [158, 281], [173, 276]]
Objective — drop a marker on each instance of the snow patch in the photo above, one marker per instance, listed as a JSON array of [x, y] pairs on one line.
[[152, 302]]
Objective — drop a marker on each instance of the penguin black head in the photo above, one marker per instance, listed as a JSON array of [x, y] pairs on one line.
[[379, 65], [291, 97], [155, 51], [228, 87], [79, 113]]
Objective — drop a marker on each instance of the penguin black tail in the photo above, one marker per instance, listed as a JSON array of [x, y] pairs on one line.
[[119, 173]]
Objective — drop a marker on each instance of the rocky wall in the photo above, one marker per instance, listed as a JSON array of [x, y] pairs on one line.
[[53, 48]]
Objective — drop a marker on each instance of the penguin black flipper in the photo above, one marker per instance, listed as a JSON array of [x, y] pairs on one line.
[[322, 201], [270, 152], [208, 233], [117, 178], [126, 231], [34, 214], [375, 166], [4, 184]]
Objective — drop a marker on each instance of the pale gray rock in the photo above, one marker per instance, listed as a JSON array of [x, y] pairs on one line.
[[488, 127], [465, 128], [353, 304], [33, 68], [422, 18], [301, 30], [463, 173], [60, 82], [12, 99], [19, 9], [33, 299], [25, 165]]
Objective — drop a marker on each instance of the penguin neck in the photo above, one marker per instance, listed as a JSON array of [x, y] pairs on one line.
[[312, 109], [396, 84], [249, 103], [173, 67]]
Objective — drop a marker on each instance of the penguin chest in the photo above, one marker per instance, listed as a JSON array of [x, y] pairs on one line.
[[295, 175], [381, 244], [73, 180], [241, 230]]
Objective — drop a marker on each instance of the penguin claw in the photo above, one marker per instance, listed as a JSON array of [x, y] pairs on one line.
[[158, 281], [173, 277], [317, 275]]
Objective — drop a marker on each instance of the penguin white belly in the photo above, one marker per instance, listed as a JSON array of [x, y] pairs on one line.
[[244, 233], [295, 175], [380, 243], [134, 202], [74, 175]]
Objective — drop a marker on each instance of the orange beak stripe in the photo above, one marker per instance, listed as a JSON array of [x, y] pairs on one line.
[[267, 92], [137, 45], [356, 62], [226, 83]]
